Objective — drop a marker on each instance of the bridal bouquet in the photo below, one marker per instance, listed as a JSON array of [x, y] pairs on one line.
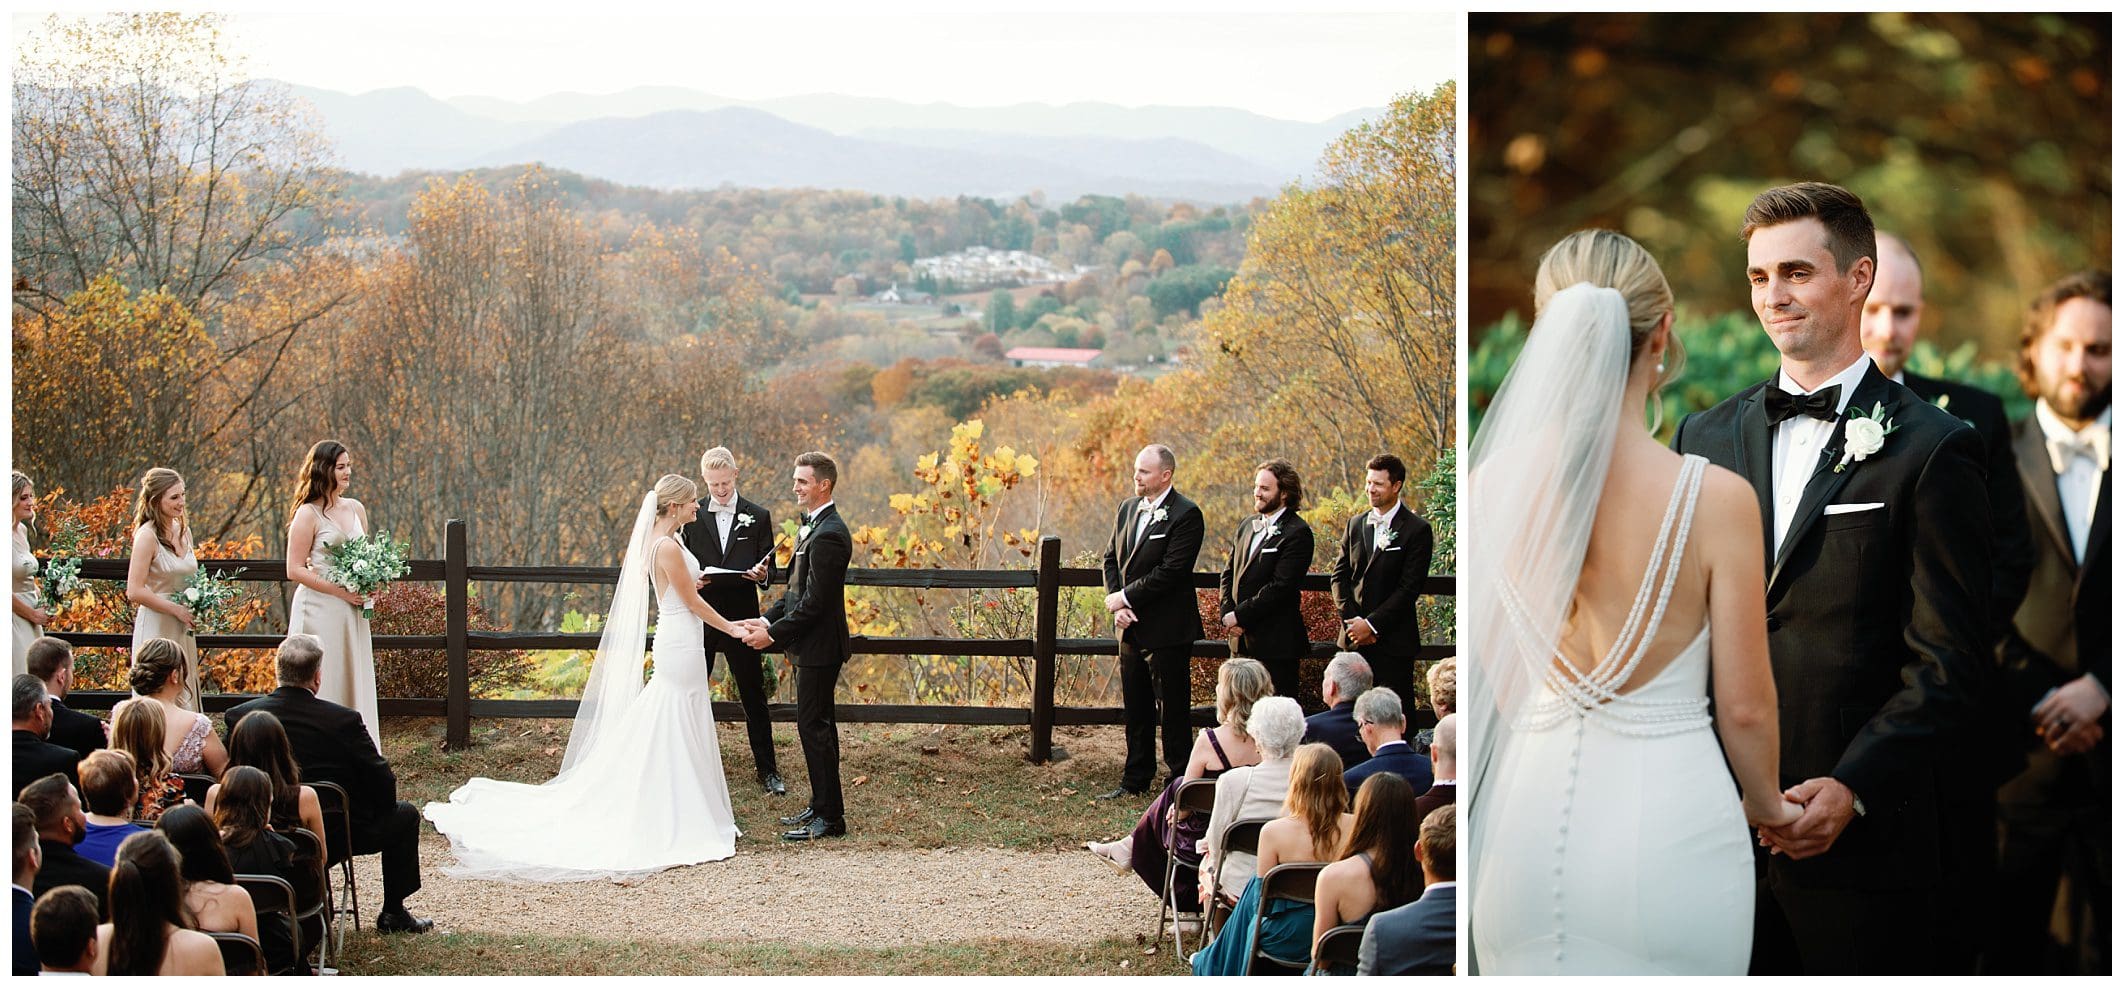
[[62, 567], [365, 564], [207, 596]]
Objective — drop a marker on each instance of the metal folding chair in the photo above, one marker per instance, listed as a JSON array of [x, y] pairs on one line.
[[339, 845], [1292, 882], [196, 786], [271, 894], [1337, 948], [240, 955], [1243, 837], [1195, 796], [313, 899]]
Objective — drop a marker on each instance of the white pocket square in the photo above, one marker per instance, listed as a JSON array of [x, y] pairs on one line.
[[1847, 509], [1391, 548], [1160, 535], [1269, 550]]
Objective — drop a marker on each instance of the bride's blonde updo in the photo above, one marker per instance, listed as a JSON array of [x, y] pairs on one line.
[[1607, 259], [673, 489]]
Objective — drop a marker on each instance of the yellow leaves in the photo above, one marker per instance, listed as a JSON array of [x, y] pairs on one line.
[[902, 503], [927, 461], [1026, 465]]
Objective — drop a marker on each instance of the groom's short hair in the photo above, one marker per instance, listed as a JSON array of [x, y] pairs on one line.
[[297, 659], [822, 467], [1841, 213], [718, 458]]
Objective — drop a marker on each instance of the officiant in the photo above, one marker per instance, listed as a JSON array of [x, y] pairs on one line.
[[734, 540]]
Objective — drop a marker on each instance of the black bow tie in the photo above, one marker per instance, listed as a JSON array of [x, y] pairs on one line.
[[1782, 404]]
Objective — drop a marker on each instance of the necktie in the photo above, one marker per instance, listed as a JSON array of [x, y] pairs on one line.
[[1782, 404]]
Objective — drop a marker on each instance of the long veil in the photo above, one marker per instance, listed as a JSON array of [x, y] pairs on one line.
[[1538, 467], [616, 672]]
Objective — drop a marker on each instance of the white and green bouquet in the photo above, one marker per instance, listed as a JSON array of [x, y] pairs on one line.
[[60, 578], [365, 564], [208, 595]]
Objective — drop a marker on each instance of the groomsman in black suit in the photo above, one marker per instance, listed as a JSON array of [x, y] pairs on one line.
[[811, 624], [1970, 773], [52, 660], [1879, 571], [1379, 571], [2056, 814], [1258, 592], [1149, 572], [735, 534], [34, 756]]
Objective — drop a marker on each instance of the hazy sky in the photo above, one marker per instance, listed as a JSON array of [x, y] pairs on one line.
[[1293, 66]]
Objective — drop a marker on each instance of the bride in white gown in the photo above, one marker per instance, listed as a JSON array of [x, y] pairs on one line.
[[641, 787], [1616, 589]]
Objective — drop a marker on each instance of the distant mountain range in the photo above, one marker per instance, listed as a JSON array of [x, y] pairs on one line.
[[677, 138]]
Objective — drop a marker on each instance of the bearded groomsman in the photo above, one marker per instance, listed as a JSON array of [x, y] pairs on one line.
[[1379, 571], [1149, 572], [1258, 591], [732, 533], [2055, 814]]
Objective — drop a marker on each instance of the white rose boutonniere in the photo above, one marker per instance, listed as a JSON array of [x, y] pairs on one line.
[[1864, 436], [1270, 534], [1382, 536], [744, 520], [803, 532], [1157, 516]]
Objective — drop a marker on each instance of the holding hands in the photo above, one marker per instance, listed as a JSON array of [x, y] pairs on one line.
[[1808, 820], [753, 632], [2069, 720]]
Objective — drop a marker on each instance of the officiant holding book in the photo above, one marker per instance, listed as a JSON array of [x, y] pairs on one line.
[[734, 540]]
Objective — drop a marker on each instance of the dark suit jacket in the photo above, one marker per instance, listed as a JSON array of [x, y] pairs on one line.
[[1261, 586], [2062, 629], [1381, 585], [36, 758], [63, 866], [810, 622], [1440, 794], [1157, 572], [1406, 939], [1336, 727], [75, 730], [1876, 619], [331, 745], [25, 950], [731, 596], [1400, 759]]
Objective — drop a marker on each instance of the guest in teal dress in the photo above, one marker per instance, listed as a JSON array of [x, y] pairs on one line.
[[1314, 826]]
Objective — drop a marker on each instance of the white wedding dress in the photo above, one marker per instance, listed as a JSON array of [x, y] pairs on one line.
[[1629, 849], [1604, 832], [641, 788]]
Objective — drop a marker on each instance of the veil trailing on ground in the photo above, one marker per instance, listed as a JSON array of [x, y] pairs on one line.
[[1538, 467], [616, 673]]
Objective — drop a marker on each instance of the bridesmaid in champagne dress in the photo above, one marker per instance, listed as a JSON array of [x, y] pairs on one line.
[[29, 621], [162, 561], [324, 517]]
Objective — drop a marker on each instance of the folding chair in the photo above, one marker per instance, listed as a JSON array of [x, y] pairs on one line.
[[240, 955], [196, 786], [1337, 948], [339, 843], [1240, 836], [272, 895], [313, 898], [1195, 796], [1291, 882]]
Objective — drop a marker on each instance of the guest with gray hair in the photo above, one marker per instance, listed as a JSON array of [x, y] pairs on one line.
[[1380, 724], [1251, 792], [1444, 683], [1443, 766], [1347, 675], [34, 756]]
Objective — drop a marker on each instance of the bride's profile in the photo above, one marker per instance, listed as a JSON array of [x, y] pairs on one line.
[[641, 786], [1615, 592]]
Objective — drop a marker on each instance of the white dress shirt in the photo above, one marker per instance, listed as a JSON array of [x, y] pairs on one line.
[[725, 514], [1380, 520], [2079, 472], [1796, 445], [1261, 534], [1144, 511]]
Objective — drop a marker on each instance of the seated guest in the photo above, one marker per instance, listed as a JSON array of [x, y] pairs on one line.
[[108, 788], [1444, 683], [25, 877], [60, 826], [332, 745], [1418, 938], [34, 756], [1379, 723], [137, 730], [262, 743], [1240, 682], [52, 660], [251, 848], [147, 934], [1347, 675], [211, 896], [1314, 826], [1443, 767], [159, 672], [1250, 792], [1377, 869], [63, 928]]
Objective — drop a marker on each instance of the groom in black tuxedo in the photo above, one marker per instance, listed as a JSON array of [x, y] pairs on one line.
[[1258, 591], [811, 624], [733, 533], [1149, 573], [1378, 576], [1878, 578]]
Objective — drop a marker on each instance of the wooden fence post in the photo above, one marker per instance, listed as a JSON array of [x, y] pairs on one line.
[[1048, 588], [457, 703]]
